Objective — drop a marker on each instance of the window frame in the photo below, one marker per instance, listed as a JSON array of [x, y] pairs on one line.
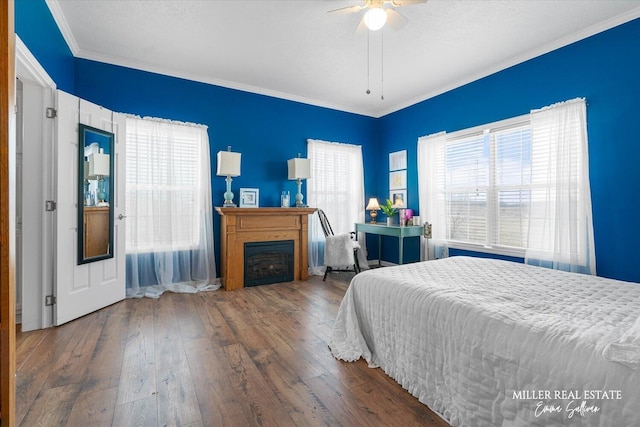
[[492, 190], [175, 188]]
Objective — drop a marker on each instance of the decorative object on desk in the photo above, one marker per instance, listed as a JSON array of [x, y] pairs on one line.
[[228, 165], [99, 166], [299, 169], [408, 217], [389, 210], [249, 197], [373, 206], [398, 203], [415, 220], [285, 199]]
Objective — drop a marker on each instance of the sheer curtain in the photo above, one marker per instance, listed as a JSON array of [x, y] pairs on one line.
[[560, 223], [337, 187], [169, 239], [432, 205]]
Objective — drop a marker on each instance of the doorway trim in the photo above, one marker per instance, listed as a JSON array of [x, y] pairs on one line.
[[29, 71]]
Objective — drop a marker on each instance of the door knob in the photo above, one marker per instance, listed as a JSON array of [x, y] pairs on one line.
[[121, 216]]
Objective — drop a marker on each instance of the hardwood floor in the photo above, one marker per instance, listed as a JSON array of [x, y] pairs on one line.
[[256, 356]]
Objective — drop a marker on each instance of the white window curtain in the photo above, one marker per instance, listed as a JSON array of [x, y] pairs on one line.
[[560, 224], [169, 239], [337, 187], [432, 204]]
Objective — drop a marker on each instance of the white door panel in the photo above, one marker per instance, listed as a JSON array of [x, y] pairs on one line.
[[82, 289]]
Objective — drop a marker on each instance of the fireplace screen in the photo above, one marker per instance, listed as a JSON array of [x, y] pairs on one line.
[[268, 262]]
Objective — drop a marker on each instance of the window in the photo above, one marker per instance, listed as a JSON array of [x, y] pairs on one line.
[[516, 187], [485, 182], [164, 168], [337, 187]]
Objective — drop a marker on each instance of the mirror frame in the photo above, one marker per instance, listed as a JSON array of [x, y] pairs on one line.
[[106, 140]]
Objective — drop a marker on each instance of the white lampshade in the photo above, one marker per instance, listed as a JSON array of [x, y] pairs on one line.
[[99, 164], [373, 204], [375, 18], [228, 163], [299, 168], [86, 172], [398, 203]]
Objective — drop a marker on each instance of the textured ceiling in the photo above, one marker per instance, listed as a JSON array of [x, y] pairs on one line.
[[295, 50]]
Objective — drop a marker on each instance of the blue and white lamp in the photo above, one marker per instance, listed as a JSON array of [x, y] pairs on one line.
[[100, 166], [299, 169], [228, 165]]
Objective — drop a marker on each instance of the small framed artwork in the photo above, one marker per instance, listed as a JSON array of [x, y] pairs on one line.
[[396, 195], [398, 160], [398, 180], [249, 197]]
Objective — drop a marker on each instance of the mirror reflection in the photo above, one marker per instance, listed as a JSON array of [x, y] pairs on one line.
[[95, 213]]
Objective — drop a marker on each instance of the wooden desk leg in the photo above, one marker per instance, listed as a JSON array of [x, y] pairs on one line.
[[379, 250], [400, 245]]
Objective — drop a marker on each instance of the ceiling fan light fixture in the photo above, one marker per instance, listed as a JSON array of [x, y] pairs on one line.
[[375, 18]]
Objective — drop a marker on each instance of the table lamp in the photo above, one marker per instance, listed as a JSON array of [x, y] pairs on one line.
[[299, 169], [373, 206], [228, 165], [100, 166]]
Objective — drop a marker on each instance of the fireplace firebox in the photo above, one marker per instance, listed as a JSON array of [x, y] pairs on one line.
[[268, 262]]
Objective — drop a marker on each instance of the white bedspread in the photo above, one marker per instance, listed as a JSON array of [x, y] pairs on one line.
[[494, 343]]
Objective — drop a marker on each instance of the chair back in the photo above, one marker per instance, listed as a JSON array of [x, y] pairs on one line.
[[324, 222]]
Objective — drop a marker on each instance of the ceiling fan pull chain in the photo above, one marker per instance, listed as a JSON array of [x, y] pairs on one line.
[[368, 61], [382, 65]]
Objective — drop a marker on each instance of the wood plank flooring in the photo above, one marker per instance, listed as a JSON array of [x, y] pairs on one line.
[[256, 356]]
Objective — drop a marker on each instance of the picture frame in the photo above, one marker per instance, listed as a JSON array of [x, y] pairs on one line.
[[249, 197], [398, 160], [402, 194], [398, 180]]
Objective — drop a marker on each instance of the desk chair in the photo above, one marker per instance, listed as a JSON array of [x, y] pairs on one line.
[[328, 232]]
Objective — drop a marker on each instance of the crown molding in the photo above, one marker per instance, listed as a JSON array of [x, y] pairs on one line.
[[63, 25], [519, 59]]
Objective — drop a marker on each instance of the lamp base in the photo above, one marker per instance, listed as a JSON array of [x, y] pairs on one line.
[[228, 195], [374, 214]]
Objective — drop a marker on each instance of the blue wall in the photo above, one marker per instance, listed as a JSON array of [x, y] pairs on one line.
[[36, 27], [605, 69], [267, 131]]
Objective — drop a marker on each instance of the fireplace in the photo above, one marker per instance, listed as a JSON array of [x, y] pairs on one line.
[[268, 262]]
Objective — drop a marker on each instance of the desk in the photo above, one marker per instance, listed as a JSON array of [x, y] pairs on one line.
[[390, 230]]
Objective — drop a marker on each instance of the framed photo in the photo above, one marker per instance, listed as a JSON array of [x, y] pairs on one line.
[[398, 180], [398, 160], [398, 194], [249, 197]]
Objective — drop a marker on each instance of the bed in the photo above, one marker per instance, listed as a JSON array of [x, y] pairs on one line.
[[485, 342]]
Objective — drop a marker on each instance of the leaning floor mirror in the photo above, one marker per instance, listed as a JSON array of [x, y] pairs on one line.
[[95, 194]]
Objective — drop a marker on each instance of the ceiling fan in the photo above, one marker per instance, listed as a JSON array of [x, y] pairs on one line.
[[378, 15]]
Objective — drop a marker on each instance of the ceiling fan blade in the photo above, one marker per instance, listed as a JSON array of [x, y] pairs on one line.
[[348, 9], [361, 27], [395, 19], [399, 3]]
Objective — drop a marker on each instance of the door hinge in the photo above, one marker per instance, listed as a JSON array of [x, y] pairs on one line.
[[51, 113], [50, 206], [49, 300]]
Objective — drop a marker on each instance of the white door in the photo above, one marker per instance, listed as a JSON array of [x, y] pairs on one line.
[[82, 289]]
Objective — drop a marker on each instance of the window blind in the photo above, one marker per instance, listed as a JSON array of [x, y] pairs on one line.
[[163, 186]]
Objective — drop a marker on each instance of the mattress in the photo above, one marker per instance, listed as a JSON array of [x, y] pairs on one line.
[[493, 343]]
